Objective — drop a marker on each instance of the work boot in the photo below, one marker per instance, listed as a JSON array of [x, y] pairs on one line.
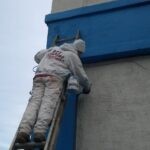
[[22, 137], [39, 137]]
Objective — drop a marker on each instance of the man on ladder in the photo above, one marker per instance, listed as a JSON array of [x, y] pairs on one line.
[[55, 65]]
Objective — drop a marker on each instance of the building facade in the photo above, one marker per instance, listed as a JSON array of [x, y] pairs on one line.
[[116, 114]]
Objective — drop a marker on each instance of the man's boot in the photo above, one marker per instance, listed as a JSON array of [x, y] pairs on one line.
[[22, 137], [39, 137]]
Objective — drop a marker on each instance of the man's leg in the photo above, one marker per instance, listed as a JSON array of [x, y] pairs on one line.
[[50, 100], [32, 109]]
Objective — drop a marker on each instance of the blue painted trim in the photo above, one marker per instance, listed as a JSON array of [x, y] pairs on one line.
[[129, 49], [111, 30], [66, 139], [98, 8]]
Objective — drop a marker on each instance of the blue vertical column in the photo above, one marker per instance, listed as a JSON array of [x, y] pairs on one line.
[[66, 139]]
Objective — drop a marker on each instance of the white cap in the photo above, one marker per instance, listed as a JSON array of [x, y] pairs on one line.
[[79, 45]]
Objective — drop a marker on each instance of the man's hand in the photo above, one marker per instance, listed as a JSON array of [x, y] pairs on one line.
[[87, 90]]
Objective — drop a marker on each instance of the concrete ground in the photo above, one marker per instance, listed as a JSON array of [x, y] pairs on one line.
[[116, 114]]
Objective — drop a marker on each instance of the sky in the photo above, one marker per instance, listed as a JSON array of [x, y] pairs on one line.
[[22, 34]]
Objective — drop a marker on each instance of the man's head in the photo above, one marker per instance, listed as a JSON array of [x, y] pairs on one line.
[[79, 46]]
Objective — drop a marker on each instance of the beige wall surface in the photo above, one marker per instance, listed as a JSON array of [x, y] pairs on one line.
[[91, 2], [116, 114], [62, 5]]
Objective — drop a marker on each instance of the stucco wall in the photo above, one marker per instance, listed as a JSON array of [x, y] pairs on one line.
[[116, 115], [61, 5]]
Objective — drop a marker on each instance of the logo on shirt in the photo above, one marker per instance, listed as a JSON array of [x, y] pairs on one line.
[[57, 55]]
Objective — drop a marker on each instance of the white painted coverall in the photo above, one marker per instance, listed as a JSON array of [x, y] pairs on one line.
[[54, 66]]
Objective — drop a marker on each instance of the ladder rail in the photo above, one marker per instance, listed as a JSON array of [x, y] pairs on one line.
[[51, 139]]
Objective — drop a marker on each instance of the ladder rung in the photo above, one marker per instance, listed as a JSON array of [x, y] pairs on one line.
[[29, 145]]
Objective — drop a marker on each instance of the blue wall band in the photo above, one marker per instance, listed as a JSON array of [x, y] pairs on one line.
[[111, 30]]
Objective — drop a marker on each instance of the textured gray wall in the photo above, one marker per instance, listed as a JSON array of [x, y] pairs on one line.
[[61, 5], [116, 115]]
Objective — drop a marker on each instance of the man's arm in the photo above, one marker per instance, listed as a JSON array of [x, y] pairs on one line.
[[77, 70], [39, 55]]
